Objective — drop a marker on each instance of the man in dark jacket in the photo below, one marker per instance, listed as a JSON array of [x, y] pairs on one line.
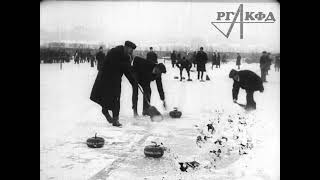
[[238, 63], [107, 86], [264, 66], [100, 56], [277, 63], [144, 72], [201, 60], [248, 81], [184, 64], [152, 56], [214, 59], [173, 58], [269, 62], [218, 60]]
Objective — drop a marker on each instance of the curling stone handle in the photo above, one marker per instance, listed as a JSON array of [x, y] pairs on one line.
[[154, 143]]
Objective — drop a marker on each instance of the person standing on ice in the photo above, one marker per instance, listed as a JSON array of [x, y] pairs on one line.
[[173, 58], [144, 72], [238, 63], [264, 66], [214, 59], [248, 81], [201, 60], [106, 90], [277, 63], [152, 56], [269, 62], [218, 61], [100, 56]]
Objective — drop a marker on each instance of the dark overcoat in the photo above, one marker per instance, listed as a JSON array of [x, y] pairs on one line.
[[238, 60], [201, 60], [107, 86]]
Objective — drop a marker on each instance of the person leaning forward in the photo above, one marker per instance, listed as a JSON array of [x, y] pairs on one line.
[[144, 72]]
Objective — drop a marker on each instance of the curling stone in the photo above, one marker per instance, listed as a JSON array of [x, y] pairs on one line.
[[155, 151], [95, 142], [176, 77], [175, 113]]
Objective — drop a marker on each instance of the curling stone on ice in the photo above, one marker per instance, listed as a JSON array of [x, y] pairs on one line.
[[95, 142], [176, 77], [175, 113], [155, 151]]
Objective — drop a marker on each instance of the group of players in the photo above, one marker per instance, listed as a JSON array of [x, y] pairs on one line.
[[141, 72]]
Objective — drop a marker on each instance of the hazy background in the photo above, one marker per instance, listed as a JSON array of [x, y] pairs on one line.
[[156, 24]]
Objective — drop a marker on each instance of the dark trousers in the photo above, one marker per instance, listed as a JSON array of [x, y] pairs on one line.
[[263, 74], [115, 110], [173, 64], [188, 71], [201, 74], [238, 66], [146, 98], [251, 104]]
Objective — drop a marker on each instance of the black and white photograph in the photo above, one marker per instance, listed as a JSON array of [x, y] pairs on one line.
[[160, 90]]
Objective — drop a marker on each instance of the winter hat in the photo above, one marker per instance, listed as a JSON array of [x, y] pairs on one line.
[[233, 73]]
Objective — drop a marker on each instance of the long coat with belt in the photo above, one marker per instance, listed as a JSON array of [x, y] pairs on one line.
[[107, 86], [201, 59]]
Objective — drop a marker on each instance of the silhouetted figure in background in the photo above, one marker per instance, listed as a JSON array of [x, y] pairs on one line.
[[264, 66], [214, 59], [184, 64], [100, 56], [173, 58], [238, 63], [277, 63], [201, 60], [218, 60], [152, 56]]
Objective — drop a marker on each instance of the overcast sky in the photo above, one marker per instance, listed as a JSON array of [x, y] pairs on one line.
[[156, 23]]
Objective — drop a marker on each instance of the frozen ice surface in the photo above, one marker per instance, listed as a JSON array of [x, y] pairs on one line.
[[68, 118]]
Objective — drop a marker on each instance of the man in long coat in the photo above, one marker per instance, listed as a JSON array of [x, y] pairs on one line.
[[214, 59], [107, 86], [201, 60], [264, 65], [248, 81], [100, 57], [152, 56], [173, 58], [238, 63]]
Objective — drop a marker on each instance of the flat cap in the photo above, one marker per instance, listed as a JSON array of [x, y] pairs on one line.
[[233, 73], [130, 44]]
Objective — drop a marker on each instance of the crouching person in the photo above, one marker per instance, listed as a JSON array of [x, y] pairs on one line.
[[184, 64], [144, 72], [248, 81]]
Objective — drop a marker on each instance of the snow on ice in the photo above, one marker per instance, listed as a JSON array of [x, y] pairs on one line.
[[237, 145]]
